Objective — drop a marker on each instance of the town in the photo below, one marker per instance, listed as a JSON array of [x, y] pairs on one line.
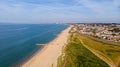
[[106, 32]]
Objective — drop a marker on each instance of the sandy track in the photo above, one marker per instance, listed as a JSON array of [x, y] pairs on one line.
[[100, 55]]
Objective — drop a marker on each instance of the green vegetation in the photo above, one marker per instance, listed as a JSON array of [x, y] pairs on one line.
[[76, 55], [111, 52], [115, 30]]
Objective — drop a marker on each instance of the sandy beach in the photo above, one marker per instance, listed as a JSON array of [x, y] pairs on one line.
[[47, 57]]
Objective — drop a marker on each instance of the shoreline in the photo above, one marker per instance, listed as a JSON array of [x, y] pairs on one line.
[[26, 59], [40, 49], [43, 53]]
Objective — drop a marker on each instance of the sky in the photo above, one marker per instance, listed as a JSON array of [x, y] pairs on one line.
[[60, 11]]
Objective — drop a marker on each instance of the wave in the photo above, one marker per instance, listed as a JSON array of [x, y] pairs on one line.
[[21, 28], [14, 29]]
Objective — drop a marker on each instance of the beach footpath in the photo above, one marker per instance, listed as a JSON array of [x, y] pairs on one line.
[[47, 57]]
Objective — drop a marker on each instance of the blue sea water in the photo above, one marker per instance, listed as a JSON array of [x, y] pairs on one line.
[[18, 41]]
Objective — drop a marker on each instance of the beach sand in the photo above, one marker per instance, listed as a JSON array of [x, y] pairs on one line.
[[47, 57]]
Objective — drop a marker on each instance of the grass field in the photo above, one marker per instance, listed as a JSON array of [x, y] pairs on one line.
[[112, 53], [76, 55]]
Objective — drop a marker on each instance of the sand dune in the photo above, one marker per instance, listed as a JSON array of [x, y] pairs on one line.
[[47, 57]]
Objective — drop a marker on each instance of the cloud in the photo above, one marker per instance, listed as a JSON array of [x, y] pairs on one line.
[[106, 9], [101, 7], [59, 10]]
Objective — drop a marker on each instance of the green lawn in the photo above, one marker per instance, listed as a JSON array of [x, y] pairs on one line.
[[76, 55]]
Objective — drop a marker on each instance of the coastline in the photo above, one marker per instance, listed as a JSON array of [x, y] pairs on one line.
[[47, 56]]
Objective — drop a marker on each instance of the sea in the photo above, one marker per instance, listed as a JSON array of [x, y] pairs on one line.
[[18, 41]]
